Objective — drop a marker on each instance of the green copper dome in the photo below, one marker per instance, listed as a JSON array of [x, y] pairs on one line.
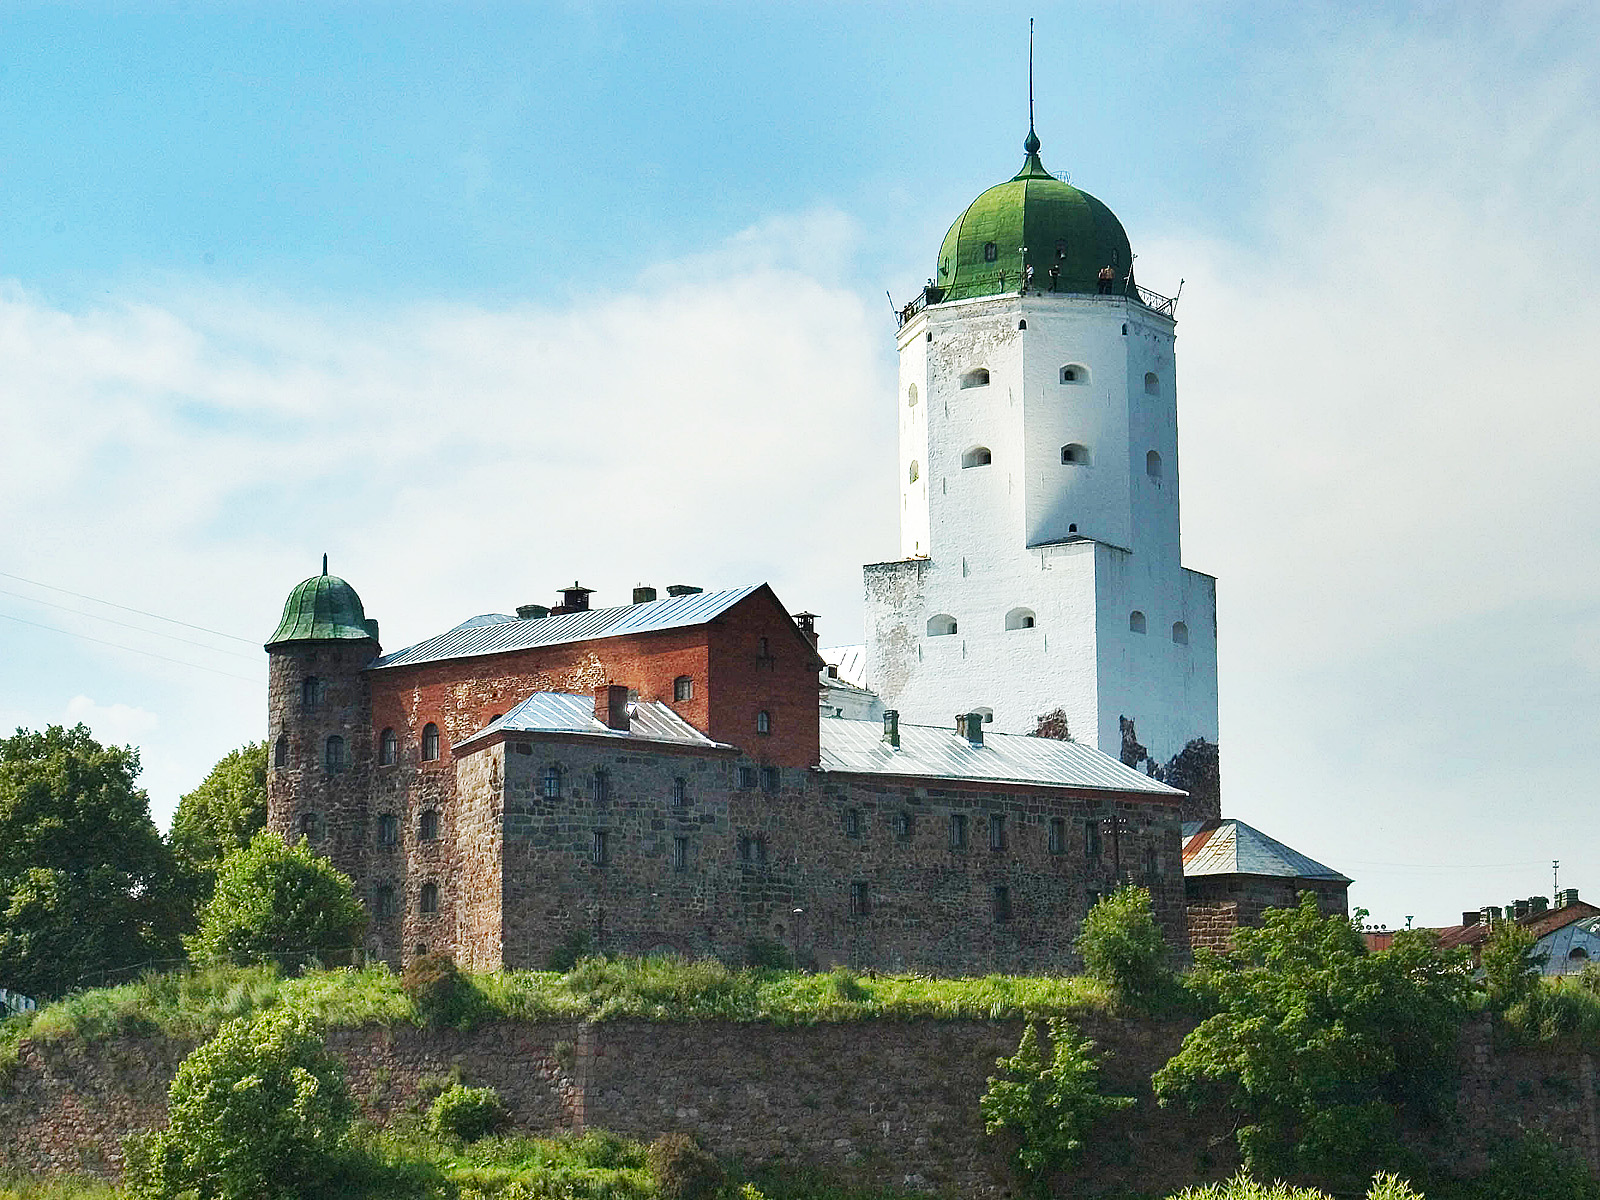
[[1061, 228], [320, 609]]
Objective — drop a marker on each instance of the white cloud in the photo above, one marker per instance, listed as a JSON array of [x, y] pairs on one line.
[[112, 724]]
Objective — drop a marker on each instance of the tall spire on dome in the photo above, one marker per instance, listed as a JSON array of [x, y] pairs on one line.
[[1032, 167]]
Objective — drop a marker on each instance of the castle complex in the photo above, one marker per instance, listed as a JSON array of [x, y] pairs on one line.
[[1031, 720]]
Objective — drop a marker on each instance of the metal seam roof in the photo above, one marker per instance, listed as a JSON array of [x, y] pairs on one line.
[[566, 712], [927, 751], [470, 641], [1231, 847]]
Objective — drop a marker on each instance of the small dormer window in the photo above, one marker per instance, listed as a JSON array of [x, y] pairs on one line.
[[991, 252]]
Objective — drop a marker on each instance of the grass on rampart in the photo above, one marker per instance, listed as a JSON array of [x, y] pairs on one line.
[[192, 1005]]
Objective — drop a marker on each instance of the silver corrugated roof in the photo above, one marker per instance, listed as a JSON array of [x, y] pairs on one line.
[[851, 661], [564, 712], [858, 747], [1234, 848], [469, 640]]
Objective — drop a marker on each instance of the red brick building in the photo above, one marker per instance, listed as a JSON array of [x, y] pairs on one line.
[[657, 776]]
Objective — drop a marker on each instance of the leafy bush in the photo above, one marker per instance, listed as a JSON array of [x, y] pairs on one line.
[[683, 1168], [572, 950], [442, 995], [1316, 1044], [466, 1113], [1050, 1105], [260, 1112], [1532, 1165], [846, 985], [1242, 1187], [1510, 965], [764, 953], [1121, 943], [278, 903]]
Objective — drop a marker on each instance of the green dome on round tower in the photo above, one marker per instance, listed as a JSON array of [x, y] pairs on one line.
[[1034, 219], [321, 609]]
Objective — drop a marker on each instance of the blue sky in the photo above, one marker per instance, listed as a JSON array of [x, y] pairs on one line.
[[415, 284]]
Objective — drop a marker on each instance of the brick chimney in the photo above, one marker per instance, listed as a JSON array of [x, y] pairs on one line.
[[807, 621], [643, 595], [970, 726], [611, 706], [891, 727]]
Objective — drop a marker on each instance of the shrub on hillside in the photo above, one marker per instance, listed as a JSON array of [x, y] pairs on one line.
[[278, 903], [1242, 1187], [1049, 1105], [466, 1113], [1121, 943], [1532, 1165], [260, 1112], [1510, 965], [683, 1168], [441, 994]]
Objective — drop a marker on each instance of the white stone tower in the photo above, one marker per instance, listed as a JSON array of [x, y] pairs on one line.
[[1041, 565]]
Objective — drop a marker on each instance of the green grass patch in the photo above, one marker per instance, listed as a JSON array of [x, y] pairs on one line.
[[192, 1005], [19, 1187]]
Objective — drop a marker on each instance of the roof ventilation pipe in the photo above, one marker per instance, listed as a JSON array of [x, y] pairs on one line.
[[683, 589], [1566, 896], [574, 598], [531, 612]]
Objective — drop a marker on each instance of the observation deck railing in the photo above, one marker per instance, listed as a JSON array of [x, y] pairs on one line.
[[1166, 306]]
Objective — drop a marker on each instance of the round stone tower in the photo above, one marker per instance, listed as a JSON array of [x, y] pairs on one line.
[[319, 721]]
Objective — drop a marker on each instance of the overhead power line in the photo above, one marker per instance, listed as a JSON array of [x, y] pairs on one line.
[[130, 649], [128, 625], [125, 608]]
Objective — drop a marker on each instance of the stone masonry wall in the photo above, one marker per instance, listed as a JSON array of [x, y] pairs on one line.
[[877, 1103], [838, 870]]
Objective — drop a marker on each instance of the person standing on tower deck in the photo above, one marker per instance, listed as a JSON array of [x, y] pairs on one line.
[[1106, 277], [1027, 278]]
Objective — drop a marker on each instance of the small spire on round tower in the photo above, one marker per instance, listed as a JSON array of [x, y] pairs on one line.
[[324, 563]]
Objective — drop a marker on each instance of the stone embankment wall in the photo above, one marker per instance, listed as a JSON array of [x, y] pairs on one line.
[[888, 1103]]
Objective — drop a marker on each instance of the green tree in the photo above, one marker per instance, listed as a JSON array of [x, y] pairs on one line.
[[1317, 1044], [86, 883], [1121, 943], [280, 903], [222, 814], [1511, 966], [1049, 1104], [260, 1112]]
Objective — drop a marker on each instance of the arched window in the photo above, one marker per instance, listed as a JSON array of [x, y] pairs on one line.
[[1180, 633], [1152, 465], [428, 826], [990, 252], [430, 898], [383, 901], [763, 721], [914, 473], [911, 396], [552, 782], [312, 694], [978, 456], [430, 742], [1021, 325], [977, 377], [1074, 373], [309, 826], [1136, 622], [333, 754], [1152, 384], [1020, 618], [940, 625], [388, 749], [280, 751], [1075, 454], [1577, 952], [388, 829]]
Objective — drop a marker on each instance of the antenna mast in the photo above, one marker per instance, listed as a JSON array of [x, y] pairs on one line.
[[1030, 74]]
